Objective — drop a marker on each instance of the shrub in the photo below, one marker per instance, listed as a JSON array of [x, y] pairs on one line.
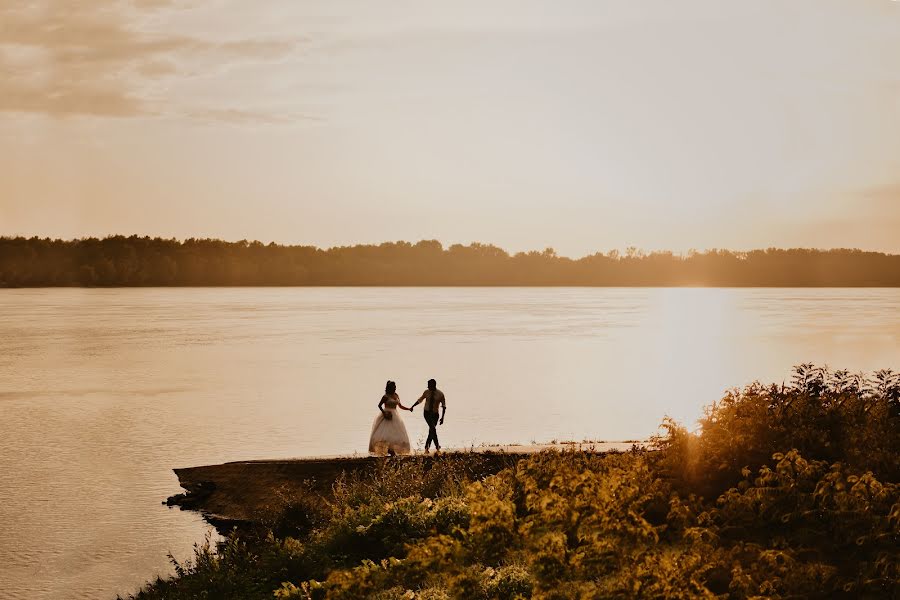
[[830, 416]]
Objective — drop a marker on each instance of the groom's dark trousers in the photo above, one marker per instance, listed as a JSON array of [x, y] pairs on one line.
[[432, 419]]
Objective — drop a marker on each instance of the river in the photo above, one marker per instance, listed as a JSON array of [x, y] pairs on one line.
[[103, 392]]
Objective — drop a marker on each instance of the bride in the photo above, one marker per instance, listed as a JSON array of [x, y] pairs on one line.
[[388, 431]]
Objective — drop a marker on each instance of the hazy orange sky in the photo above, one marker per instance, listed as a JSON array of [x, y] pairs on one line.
[[582, 125]]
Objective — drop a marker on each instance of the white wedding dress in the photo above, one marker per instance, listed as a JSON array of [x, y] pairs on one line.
[[389, 434]]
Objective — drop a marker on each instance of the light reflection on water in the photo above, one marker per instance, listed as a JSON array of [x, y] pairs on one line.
[[103, 392]]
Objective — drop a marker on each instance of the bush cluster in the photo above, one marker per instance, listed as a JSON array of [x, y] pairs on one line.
[[831, 416], [783, 492]]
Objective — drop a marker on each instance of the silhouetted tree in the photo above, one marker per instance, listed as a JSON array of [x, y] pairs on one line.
[[145, 261]]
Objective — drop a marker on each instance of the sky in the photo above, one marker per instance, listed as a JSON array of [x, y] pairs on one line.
[[578, 125]]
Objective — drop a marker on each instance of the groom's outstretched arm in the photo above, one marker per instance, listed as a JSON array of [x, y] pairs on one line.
[[416, 403]]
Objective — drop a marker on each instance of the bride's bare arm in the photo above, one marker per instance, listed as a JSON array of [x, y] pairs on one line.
[[380, 404], [400, 404]]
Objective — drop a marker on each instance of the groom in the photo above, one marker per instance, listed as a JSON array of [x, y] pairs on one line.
[[432, 397]]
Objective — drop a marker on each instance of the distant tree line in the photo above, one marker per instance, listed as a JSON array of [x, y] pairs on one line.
[[146, 261]]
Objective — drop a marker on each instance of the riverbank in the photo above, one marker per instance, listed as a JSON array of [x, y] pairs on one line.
[[247, 493], [784, 492]]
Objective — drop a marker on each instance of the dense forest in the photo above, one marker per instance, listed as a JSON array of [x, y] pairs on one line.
[[145, 261]]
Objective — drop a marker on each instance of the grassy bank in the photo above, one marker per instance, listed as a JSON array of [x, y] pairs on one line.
[[784, 491]]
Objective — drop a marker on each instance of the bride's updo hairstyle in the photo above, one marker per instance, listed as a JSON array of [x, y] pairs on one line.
[[390, 387]]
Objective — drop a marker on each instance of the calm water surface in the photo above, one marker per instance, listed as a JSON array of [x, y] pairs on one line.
[[103, 392]]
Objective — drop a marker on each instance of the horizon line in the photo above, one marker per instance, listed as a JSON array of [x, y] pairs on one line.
[[629, 251]]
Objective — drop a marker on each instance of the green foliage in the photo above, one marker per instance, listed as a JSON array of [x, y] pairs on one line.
[[830, 416], [791, 507], [806, 525], [402, 478]]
